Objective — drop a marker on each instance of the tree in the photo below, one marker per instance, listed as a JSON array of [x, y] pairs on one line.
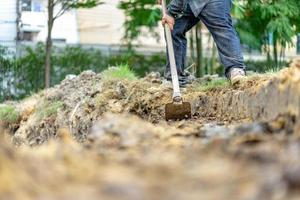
[[274, 22], [244, 29], [140, 14], [268, 25], [62, 6]]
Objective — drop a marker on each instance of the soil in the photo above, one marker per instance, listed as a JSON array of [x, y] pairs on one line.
[[109, 140]]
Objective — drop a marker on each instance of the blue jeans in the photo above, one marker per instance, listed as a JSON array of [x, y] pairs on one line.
[[216, 16]]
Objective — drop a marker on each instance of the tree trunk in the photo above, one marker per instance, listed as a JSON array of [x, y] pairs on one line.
[[267, 49], [49, 44], [199, 50], [275, 52], [209, 56], [213, 59], [192, 48], [192, 51], [282, 55]]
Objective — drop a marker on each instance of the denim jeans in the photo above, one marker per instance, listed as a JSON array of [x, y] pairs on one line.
[[216, 17]]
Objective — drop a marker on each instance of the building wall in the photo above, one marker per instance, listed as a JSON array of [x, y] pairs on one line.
[[8, 20], [35, 22], [104, 25]]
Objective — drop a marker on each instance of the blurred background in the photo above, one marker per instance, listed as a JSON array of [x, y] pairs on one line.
[[106, 33]]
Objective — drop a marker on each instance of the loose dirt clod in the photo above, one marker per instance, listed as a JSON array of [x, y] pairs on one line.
[[96, 138]]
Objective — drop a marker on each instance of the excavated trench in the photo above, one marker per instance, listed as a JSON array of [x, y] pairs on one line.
[[90, 138]]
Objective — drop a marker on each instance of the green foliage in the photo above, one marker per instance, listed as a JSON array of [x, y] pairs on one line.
[[272, 71], [47, 109], [32, 62], [238, 9], [274, 22], [247, 36], [214, 84], [4, 59], [139, 14], [64, 6], [81, 3], [260, 23], [19, 77], [74, 60], [263, 66], [243, 28], [120, 72], [6, 63], [8, 114], [141, 64]]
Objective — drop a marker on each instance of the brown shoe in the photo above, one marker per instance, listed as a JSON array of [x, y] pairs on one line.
[[236, 75]]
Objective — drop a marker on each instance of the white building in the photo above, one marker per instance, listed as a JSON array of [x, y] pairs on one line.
[[26, 20], [8, 23], [102, 27], [34, 23]]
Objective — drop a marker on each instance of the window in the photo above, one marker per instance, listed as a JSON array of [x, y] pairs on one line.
[[32, 5], [28, 36], [26, 5], [37, 6]]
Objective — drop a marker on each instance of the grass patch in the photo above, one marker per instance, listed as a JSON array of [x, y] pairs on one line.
[[122, 71], [214, 84], [47, 109], [272, 71], [8, 114]]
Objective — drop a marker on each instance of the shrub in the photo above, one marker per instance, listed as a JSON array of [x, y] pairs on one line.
[[47, 109], [214, 84], [25, 75], [8, 114], [120, 72]]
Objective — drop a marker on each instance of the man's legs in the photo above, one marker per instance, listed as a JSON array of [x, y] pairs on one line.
[[182, 25], [216, 17]]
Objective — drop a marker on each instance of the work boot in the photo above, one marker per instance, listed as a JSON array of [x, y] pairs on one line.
[[184, 79], [183, 82], [168, 83], [236, 75]]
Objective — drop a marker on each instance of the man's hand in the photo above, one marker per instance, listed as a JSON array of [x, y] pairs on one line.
[[169, 20]]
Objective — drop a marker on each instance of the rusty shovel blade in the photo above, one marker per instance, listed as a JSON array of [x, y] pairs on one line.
[[178, 111]]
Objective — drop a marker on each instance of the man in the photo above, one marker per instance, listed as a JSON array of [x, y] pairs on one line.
[[182, 15]]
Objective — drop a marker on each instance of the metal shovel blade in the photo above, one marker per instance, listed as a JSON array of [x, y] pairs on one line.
[[178, 111]]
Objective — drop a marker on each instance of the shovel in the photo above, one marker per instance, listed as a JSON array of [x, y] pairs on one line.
[[177, 110]]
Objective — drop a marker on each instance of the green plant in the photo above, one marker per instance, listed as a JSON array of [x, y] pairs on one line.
[[214, 84], [74, 60], [274, 22], [8, 114], [263, 66], [47, 109], [22, 76], [272, 71], [141, 64], [140, 14], [57, 8], [120, 72]]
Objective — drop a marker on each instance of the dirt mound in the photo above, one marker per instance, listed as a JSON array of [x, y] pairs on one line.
[[79, 101], [100, 138]]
